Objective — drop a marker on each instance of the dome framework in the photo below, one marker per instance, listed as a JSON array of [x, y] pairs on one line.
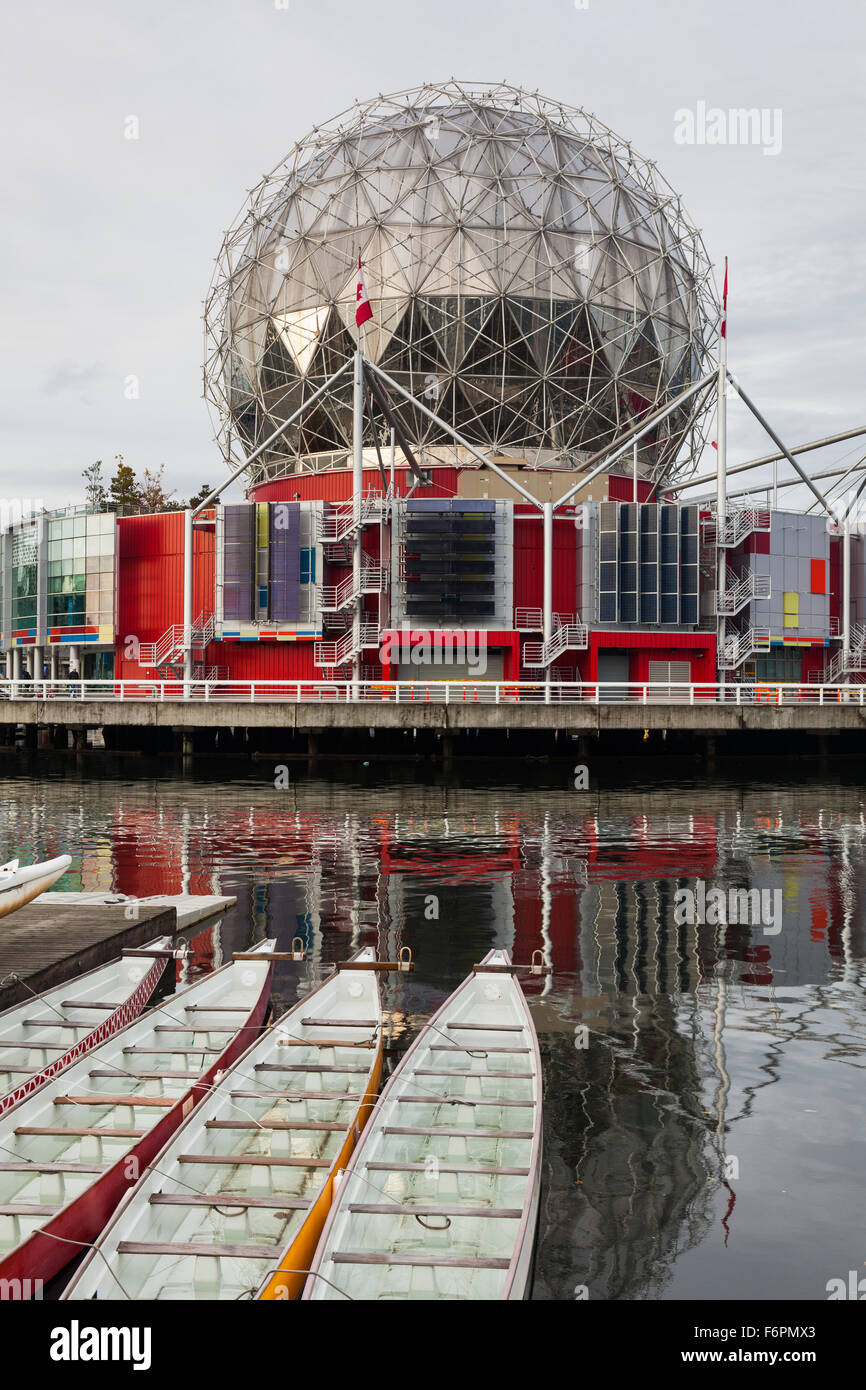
[[533, 280]]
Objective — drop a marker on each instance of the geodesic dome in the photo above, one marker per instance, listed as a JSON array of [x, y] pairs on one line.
[[532, 279]]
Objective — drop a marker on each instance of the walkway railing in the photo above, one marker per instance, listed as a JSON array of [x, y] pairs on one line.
[[486, 692]]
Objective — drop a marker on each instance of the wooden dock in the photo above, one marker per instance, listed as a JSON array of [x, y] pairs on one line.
[[45, 944]]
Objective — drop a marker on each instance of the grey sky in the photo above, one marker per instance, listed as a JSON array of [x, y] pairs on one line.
[[108, 243]]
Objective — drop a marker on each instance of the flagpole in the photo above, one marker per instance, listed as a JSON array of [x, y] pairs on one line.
[[362, 314], [721, 474]]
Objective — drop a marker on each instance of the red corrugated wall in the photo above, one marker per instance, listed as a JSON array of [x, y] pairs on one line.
[[698, 648], [529, 563], [336, 486], [150, 579]]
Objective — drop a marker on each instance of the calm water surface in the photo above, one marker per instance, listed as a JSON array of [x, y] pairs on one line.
[[704, 1132]]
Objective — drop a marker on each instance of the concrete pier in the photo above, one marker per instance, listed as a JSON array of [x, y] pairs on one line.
[[47, 944]]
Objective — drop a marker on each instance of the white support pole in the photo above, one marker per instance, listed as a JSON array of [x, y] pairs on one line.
[[547, 571], [393, 460], [721, 476], [53, 659], [634, 470], [357, 499], [775, 484], [846, 583], [187, 601]]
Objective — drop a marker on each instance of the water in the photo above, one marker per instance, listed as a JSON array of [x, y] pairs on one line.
[[704, 1137]]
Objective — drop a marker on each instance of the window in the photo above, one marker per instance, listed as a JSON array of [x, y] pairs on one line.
[[792, 609], [819, 577], [308, 564]]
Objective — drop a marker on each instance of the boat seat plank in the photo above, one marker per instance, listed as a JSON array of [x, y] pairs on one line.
[[46, 1167], [467, 1047], [460, 1133], [143, 1075], [155, 1247], [410, 1209], [75, 1131], [52, 1022], [215, 1009], [277, 1124], [297, 1095], [326, 1042], [489, 1027], [27, 1209], [363, 1257], [195, 1028], [480, 1169], [461, 1100], [479, 1075], [12, 1044], [256, 1160], [340, 1022], [227, 1199], [311, 1068], [99, 1099], [86, 1004], [173, 1051]]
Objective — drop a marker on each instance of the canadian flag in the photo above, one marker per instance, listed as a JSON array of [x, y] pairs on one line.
[[363, 312]]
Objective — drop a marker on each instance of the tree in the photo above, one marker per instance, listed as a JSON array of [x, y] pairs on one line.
[[123, 489], [199, 497], [152, 494], [95, 494]]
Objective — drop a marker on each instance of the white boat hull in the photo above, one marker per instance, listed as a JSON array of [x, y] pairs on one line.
[[441, 1197], [21, 886]]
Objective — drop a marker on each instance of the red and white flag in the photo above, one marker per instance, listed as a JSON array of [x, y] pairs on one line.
[[363, 312]]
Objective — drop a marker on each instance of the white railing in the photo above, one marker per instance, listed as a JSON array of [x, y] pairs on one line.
[[740, 590], [741, 645], [574, 637], [532, 620], [337, 596], [332, 655], [851, 658], [345, 518], [170, 646], [464, 691], [739, 523]]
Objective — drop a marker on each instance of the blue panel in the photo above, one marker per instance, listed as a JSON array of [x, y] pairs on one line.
[[285, 561], [238, 561]]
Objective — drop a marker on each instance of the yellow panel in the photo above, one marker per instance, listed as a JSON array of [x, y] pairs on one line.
[[792, 609]]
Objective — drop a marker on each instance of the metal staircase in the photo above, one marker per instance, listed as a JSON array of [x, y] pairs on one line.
[[332, 655], [849, 660], [167, 653], [739, 646], [739, 590], [344, 518], [338, 596], [567, 637], [740, 522]]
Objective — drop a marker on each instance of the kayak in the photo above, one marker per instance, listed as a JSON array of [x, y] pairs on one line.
[[50, 1031], [235, 1203], [19, 886], [69, 1153], [440, 1199]]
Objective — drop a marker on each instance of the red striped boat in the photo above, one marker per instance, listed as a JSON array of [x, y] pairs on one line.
[[49, 1031], [69, 1153]]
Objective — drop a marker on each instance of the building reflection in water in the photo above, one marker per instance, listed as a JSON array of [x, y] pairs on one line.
[[645, 1122]]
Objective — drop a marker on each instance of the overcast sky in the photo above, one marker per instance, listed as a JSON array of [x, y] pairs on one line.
[[108, 243]]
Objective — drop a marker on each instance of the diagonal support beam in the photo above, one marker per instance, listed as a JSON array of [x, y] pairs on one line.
[[779, 445]]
